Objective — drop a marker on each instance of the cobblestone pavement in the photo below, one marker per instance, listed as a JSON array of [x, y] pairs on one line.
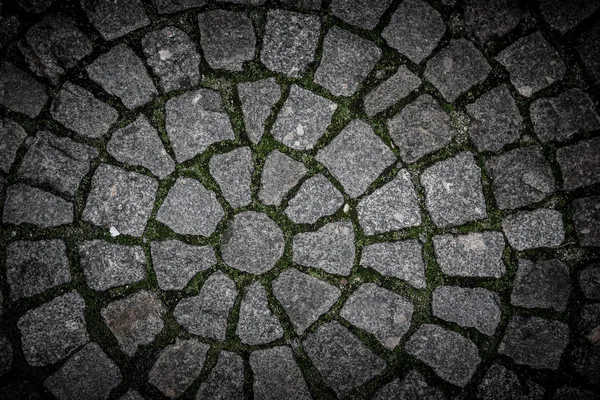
[[295, 199]]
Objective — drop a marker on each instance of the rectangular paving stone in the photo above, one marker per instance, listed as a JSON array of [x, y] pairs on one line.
[[20, 92], [12, 136], [532, 229], [541, 284], [233, 172], [391, 91], [402, 260], [586, 218], [580, 163], [114, 19], [28, 205]]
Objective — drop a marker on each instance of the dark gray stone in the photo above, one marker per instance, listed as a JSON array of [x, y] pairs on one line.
[[280, 173], [27, 205], [258, 99], [20, 92], [586, 218], [108, 265], [303, 4], [290, 42], [22, 390], [9, 27], [501, 383], [32, 267], [413, 386], [304, 297], [541, 284], [580, 164], [206, 314], [491, 19], [589, 280], [316, 198], [402, 260], [391, 91], [414, 30], [233, 172], [190, 209], [564, 16], [173, 6], [356, 157], [6, 356], [342, 359], [226, 380], [257, 324], [12, 136], [532, 63], [175, 262], [35, 6], [571, 393], [531, 229], [589, 51], [120, 199], [131, 395], [114, 19], [346, 61], [121, 73], [54, 330], [420, 128], [362, 13], [453, 357]]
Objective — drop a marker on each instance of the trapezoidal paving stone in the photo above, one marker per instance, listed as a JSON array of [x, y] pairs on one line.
[[226, 380]]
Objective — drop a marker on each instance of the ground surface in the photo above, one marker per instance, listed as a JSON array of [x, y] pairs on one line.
[[287, 199]]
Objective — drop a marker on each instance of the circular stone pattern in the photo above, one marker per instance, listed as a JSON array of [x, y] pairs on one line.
[[253, 243]]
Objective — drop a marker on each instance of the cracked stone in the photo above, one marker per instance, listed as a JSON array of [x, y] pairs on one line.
[[564, 16], [258, 99], [280, 173], [532, 229], [6, 356], [589, 280], [580, 164], [28, 205], [391, 91], [491, 19], [12, 136], [541, 284], [402, 260], [20, 92], [114, 19], [316, 198], [362, 13], [190, 209], [233, 172], [176, 263], [226, 380], [257, 324], [173, 6], [586, 218], [413, 386], [304, 297], [589, 51], [501, 383]]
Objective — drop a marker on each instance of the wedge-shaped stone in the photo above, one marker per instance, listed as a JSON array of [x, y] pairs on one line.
[[280, 173], [316, 198], [175, 262], [233, 172], [226, 380], [258, 99], [277, 376], [27, 205], [257, 324]]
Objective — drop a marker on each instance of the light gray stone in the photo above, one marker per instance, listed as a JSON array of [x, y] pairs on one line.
[[6, 356], [402, 260], [580, 164], [12, 136], [27, 205], [362, 13], [226, 380], [564, 16], [501, 383], [531, 229], [491, 19], [114, 19], [316, 198], [413, 386], [586, 218], [258, 99], [233, 172], [20, 92], [280, 173], [277, 376], [257, 324], [541, 284], [589, 280], [391, 91], [175, 262], [173, 6]]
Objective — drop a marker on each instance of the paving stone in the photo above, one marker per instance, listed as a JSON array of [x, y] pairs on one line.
[[413, 386], [190, 209], [258, 99], [564, 16], [20, 92], [379, 311], [120, 199], [78, 110], [477, 254], [89, 374], [589, 280], [173, 6], [391, 91], [468, 307], [226, 380], [558, 118], [532, 63], [196, 120], [580, 163], [583, 357], [54, 45], [280, 173], [495, 120], [35, 6], [453, 357], [303, 119], [346, 61], [289, 42], [342, 359], [531, 229], [569, 393], [303, 4], [176, 263], [500, 383], [253, 243], [12, 136], [586, 218], [402, 260], [139, 144], [257, 324], [356, 157], [177, 366], [520, 177], [131, 395], [304, 297], [9, 27], [456, 68], [108, 265], [233, 172], [316, 198], [58, 162], [206, 314], [1, 304], [32, 267], [122, 73], [536, 342], [173, 57], [453, 191], [414, 30], [114, 19], [6, 356], [541, 284], [22, 390], [277, 376], [420, 128], [589, 51], [54, 330], [392, 207], [27, 205], [331, 248], [227, 39], [491, 19], [362, 13]]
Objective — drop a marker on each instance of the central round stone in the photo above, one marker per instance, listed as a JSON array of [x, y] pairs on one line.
[[253, 243]]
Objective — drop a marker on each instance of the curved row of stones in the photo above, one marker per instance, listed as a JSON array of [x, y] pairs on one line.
[[364, 179]]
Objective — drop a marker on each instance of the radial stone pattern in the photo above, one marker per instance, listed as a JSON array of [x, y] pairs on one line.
[[299, 199]]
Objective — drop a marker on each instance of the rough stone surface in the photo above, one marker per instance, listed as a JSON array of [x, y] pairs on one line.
[[541, 284], [316, 198], [420, 128], [362, 13], [6, 356], [586, 218], [20, 92], [568, 393], [413, 386], [580, 164], [564, 16], [206, 314], [280, 173], [402, 260], [491, 19], [27, 205], [303, 4], [257, 324], [173, 6], [226, 380], [531, 229], [343, 361], [9, 27], [500, 383], [392, 90], [347, 60], [304, 298], [131, 395], [258, 99], [532, 63], [54, 330], [414, 30], [277, 376], [469, 307], [233, 172], [35, 6], [589, 280], [120, 199], [32, 267], [356, 157], [590, 52], [175, 262], [114, 19], [536, 342], [453, 191], [453, 357], [12, 136]]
